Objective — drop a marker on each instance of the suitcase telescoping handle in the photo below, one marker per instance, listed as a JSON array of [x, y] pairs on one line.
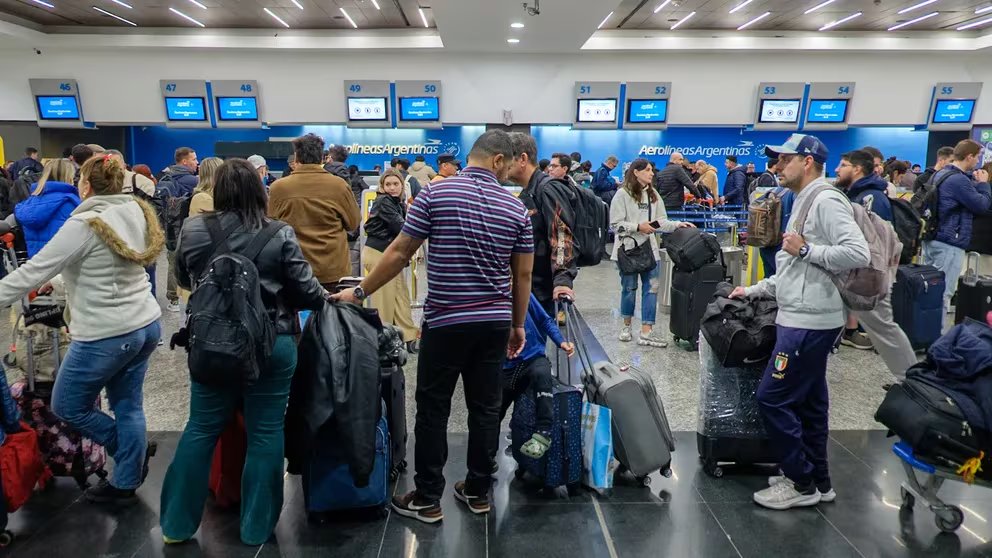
[[972, 272], [573, 334]]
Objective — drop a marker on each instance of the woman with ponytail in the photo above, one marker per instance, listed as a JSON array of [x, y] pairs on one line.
[[99, 256]]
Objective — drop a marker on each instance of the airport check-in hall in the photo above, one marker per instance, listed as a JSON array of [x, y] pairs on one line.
[[470, 278]]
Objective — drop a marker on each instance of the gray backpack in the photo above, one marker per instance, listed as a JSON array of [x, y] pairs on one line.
[[862, 288]]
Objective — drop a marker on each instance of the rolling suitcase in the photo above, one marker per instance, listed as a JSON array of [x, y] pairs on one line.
[[974, 292], [642, 438], [918, 303], [691, 294], [394, 394], [730, 427], [229, 463], [328, 486]]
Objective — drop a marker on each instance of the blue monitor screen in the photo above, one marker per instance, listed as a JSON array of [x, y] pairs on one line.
[[653, 111], [420, 108], [237, 108], [185, 109], [58, 108], [827, 111], [953, 111]]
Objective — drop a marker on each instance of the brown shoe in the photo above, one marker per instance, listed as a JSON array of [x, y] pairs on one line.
[[476, 504], [412, 505]]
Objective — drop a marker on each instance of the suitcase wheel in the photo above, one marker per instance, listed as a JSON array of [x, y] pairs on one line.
[[908, 500], [949, 519], [10, 359], [6, 538], [644, 481], [666, 472], [574, 488], [713, 469], [401, 466]]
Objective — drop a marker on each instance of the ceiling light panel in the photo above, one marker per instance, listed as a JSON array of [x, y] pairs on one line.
[[753, 21], [605, 19], [45, 4], [275, 17], [513, 41], [125, 4], [740, 6], [297, 4], [679, 23], [186, 17], [348, 17], [197, 4], [841, 21], [818, 6], [517, 25], [913, 21], [984, 10], [975, 24], [115, 16], [376, 4], [662, 6], [915, 6]]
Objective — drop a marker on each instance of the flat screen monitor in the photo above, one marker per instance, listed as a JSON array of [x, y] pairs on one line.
[[779, 111], [827, 111], [420, 108], [653, 111], [185, 109], [58, 107], [953, 111], [237, 108], [367, 108], [596, 110]]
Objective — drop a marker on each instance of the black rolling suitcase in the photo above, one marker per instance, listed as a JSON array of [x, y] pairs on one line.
[[691, 293], [394, 394], [918, 303], [974, 292]]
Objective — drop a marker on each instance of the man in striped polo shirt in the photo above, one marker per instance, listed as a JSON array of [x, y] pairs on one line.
[[480, 237]]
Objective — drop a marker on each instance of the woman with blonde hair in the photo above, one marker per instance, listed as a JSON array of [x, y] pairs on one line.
[[384, 224], [52, 201], [203, 196]]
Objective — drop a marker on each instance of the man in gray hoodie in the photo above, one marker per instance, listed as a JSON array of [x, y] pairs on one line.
[[793, 393]]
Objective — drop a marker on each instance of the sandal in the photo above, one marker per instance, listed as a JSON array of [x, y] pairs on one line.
[[536, 447]]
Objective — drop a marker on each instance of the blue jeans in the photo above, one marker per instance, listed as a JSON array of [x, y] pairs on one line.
[[649, 294], [118, 364], [950, 260]]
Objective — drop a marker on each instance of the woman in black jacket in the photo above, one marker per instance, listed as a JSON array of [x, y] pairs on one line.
[[287, 285], [384, 224]]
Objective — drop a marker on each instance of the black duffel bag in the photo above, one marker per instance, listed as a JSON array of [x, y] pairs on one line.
[[690, 249], [740, 331]]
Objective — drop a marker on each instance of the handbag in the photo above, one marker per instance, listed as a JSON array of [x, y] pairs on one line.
[[638, 259], [598, 461]]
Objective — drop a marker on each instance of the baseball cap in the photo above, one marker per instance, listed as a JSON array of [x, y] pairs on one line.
[[442, 159], [800, 144], [257, 161]]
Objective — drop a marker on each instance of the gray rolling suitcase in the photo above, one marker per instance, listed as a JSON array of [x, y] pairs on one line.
[[642, 438]]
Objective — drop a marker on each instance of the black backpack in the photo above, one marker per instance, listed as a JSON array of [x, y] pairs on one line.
[[581, 213], [172, 209], [930, 204], [742, 332], [230, 334], [909, 227], [22, 186], [690, 249]]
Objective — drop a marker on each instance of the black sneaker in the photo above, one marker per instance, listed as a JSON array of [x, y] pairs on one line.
[[476, 504], [857, 340], [411, 505], [105, 493], [149, 454]]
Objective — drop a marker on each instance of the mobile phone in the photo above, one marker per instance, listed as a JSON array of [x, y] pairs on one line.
[[655, 224]]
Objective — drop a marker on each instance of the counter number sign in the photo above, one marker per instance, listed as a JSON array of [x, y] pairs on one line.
[[946, 90], [246, 87], [844, 90], [170, 86], [661, 90], [585, 89], [355, 88], [770, 90], [65, 87]]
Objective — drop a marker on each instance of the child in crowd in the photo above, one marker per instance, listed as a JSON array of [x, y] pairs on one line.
[[532, 370]]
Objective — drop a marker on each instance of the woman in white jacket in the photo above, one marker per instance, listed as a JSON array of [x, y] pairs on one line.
[[101, 253], [634, 212]]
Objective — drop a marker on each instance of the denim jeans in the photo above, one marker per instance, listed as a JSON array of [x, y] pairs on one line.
[[184, 491], [118, 364], [950, 260], [649, 294]]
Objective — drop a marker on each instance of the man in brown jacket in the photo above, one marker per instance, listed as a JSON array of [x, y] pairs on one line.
[[321, 209]]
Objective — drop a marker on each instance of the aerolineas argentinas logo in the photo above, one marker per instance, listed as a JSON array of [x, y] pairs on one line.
[[743, 149], [430, 147]]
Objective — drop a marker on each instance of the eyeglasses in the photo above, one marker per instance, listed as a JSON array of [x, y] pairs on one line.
[[555, 165]]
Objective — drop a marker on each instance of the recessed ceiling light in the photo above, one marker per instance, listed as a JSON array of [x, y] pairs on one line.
[[125, 4], [912, 21], [513, 41], [297, 4], [115, 16], [818, 6], [275, 17], [186, 17], [740, 6], [605, 19], [45, 4], [975, 24], [348, 17], [197, 4], [376, 4], [683, 20], [423, 17], [920, 5], [662, 6], [517, 25], [983, 10], [753, 21], [833, 24]]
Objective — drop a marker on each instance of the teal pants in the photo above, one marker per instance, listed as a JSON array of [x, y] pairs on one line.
[[185, 490]]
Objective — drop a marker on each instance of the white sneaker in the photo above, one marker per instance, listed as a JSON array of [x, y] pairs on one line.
[[825, 497], [173, 306], [625, 334], [650, 341], [784, 496]]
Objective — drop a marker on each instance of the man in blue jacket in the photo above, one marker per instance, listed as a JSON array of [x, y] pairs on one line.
[[735, 188], [856, 174], [960, 196], [30, 161], [180, 179], [603, 184]]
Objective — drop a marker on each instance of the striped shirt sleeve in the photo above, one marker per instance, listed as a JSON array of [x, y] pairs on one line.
[[418, 217], [525, 238]]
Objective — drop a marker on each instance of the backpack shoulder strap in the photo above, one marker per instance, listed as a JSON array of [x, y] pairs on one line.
[[808, 206], [218, 236], [262, 238]]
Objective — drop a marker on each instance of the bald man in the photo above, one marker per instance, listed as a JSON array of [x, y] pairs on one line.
[[672, 182]]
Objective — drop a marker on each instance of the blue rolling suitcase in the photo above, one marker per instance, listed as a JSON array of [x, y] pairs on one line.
[[328, 485], [562, 463], [918, 303]]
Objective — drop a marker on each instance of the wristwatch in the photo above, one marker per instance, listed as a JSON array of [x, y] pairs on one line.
[[360, 294], [804, 251]]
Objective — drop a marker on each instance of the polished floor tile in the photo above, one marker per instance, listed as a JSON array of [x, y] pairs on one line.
[[798, 533], [666, 530]]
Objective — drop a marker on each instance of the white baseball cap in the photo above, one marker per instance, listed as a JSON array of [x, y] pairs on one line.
[[257, 161]]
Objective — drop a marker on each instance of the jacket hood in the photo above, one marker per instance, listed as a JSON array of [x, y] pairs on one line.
[[38, 211], [963, 352], [338, 169], [873, 182], [124, 223], [418, 165], [709, 169], [179, 170]]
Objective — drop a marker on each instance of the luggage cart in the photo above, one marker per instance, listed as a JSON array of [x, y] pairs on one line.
[[948, 517]]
